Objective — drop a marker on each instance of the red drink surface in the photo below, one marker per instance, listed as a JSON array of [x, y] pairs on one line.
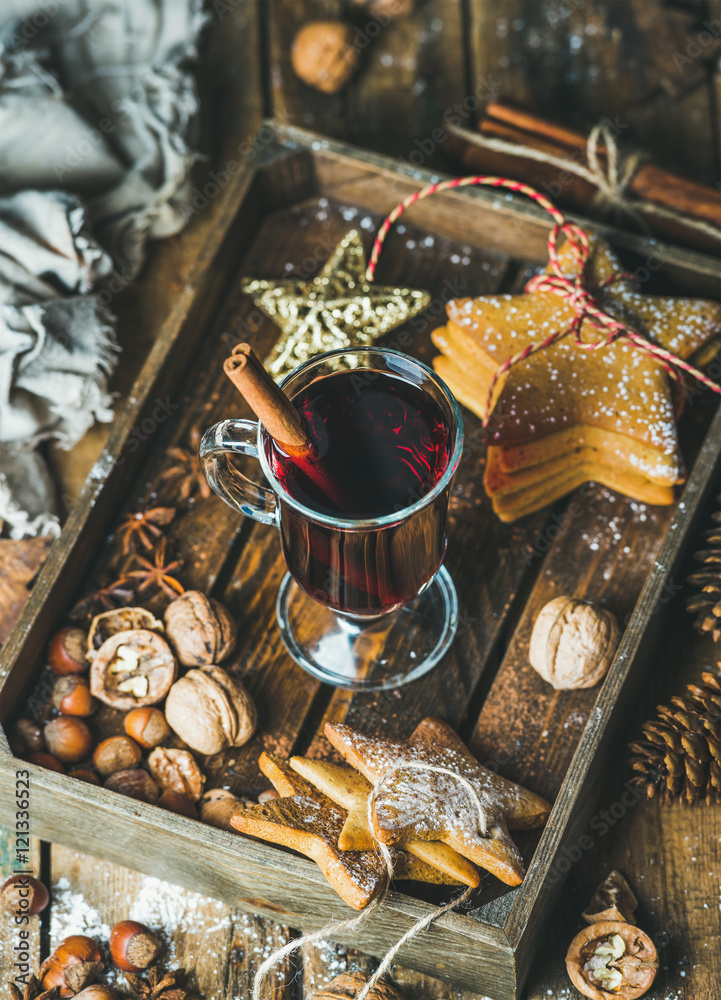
[[383, 443]]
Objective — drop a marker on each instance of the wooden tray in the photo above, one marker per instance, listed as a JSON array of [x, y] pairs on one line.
[[295, 201]]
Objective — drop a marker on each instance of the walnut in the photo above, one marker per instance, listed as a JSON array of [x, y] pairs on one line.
[[612, 958], [210, 711], [217, 806], [349, 985], [177, 770], [573, 643], [132, 668], [199, 629], [118, 620], [323, 55]]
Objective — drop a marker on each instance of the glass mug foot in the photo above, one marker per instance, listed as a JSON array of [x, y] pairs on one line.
[[371, 654]]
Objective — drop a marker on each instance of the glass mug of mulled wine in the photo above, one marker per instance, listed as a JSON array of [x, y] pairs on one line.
[[366, 602]]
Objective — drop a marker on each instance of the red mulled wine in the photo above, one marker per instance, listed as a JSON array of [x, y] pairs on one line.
[[382, 443]]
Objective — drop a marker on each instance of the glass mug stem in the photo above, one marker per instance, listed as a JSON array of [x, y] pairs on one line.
[[236, 437]]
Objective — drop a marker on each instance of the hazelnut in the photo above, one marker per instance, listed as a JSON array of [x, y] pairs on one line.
[[573, 643], [97, 992], [45, 760], [26, 737], [177, 769], [612, 958], [323, 55], [210, 710], [268, 795], [199, 629], [136, 784], [109, 623], [217, 806], [66, 653], [133, 946], [89, 777], [68, 738], [175, 802], [132, 668], [117, 753], [147, 726], [23, 896], [71, 696], [73, 965]]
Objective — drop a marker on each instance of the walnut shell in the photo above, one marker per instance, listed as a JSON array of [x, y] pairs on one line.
[[199, 629], [323, 55], [118, 620], [573, 643], [348, 985], [217, 806], [636, 967], [210, 711], [133, 668], [178, 771]]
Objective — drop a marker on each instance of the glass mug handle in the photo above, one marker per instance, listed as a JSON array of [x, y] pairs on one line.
[[236, 437]]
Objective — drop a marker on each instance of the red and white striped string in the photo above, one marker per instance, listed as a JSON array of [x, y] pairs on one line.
[[573, 288]]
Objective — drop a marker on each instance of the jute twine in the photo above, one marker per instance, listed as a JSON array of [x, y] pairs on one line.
[[613, 182], [334, 928]]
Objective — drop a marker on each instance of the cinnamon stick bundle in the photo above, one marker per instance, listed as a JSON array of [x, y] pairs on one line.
[[649, 183]]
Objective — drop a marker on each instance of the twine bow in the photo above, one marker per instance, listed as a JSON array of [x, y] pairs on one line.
[[572, 288], [614, 181]]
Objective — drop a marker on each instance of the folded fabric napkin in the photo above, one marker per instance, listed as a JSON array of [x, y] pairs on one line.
[[97, 103]]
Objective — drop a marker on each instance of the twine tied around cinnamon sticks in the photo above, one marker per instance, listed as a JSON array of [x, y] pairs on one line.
[[334, 928], [614, 181], [615, 185], [573, 288]]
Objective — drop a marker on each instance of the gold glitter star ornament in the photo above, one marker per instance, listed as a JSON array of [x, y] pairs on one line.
[[336, 309]]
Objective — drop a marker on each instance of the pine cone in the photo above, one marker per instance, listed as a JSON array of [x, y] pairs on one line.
[[706, 605], [679, 754]]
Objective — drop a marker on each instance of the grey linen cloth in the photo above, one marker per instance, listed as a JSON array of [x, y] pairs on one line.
[[97, 107]]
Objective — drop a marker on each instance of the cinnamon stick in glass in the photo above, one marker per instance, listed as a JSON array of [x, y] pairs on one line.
[[279, 417], [267, 400]]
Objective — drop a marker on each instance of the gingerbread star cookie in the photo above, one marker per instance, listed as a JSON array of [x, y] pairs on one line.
[[307, 821], [349, 789], [565, 415], [416, 802]]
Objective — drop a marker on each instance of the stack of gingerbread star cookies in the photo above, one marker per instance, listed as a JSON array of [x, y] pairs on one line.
[[439, 811], [566, 415]]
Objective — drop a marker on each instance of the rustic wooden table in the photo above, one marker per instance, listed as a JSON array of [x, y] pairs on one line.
[[567, 59]]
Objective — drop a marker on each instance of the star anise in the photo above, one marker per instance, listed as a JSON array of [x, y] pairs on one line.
[[154, 987], [105, 598], [157, 577], [184, 478], [143, 529], [33, 991]]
